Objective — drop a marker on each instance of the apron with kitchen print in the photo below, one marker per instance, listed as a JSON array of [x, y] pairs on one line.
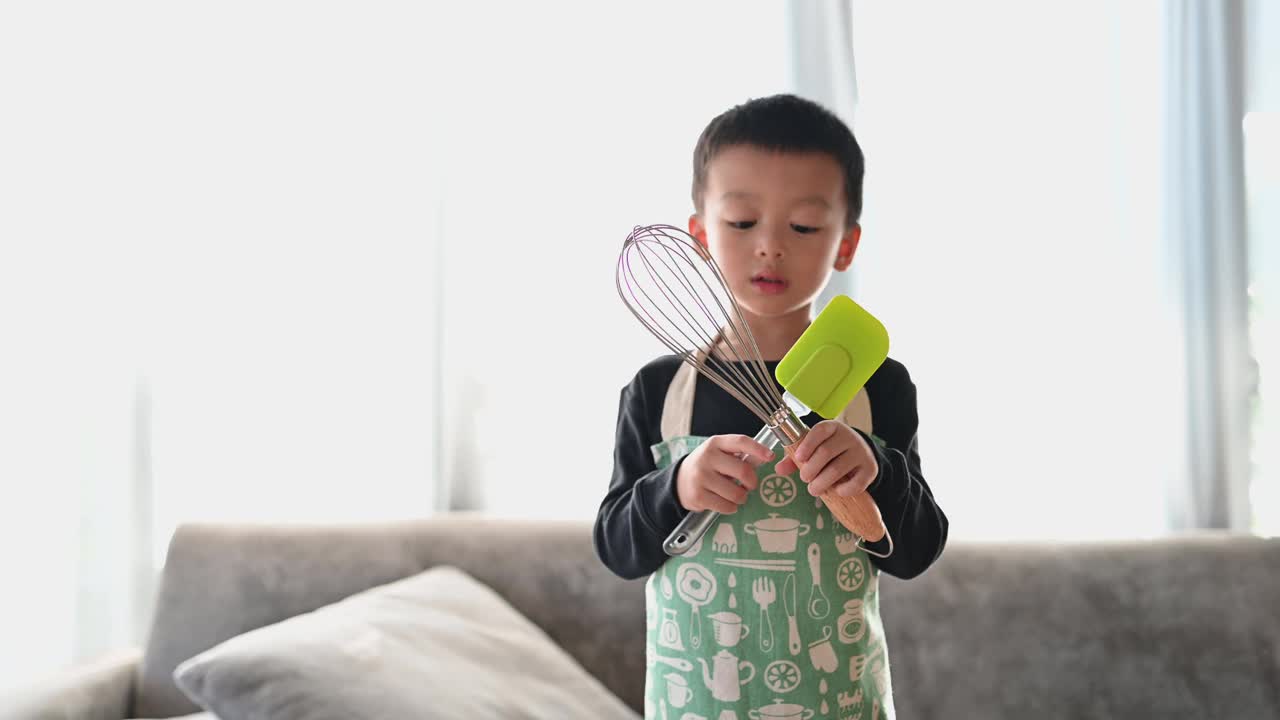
[[774, 613]]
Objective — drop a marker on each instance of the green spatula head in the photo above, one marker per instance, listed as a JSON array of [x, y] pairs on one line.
[[834, 357]]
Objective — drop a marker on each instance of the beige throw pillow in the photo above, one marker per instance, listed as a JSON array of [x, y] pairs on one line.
[[436, 645]]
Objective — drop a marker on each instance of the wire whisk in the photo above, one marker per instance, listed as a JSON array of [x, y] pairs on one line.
[[673, 286]]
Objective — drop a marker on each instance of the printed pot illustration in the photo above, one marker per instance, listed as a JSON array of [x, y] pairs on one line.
[[780, 711], [777, 534]]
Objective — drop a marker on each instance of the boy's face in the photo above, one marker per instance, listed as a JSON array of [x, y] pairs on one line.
[[774, 222]]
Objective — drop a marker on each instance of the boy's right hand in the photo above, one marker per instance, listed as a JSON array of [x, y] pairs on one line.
[[709, 477]]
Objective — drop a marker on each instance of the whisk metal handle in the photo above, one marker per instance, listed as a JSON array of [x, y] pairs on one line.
[[695, 524], [689, 531]]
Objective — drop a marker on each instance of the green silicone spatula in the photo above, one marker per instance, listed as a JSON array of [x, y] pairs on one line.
[[824, 370], [830, 362], [834, 358]]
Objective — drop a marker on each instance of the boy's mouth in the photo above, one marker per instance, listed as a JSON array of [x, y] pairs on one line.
[[768, 283]]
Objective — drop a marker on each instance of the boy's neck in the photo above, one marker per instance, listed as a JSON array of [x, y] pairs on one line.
[[776, 335]]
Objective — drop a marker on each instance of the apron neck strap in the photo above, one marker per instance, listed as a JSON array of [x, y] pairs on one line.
[[677, 408], [857, 413]]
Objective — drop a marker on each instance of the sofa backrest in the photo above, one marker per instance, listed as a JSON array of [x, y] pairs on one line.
[[1182, 627], [1173, 628]]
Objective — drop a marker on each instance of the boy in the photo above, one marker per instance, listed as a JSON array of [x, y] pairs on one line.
[[775, 612]]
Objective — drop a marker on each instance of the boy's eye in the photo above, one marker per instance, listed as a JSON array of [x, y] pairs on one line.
[[742, 224], [804, 229]]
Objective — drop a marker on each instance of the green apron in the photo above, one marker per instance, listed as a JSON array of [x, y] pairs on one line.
[[774, 613]]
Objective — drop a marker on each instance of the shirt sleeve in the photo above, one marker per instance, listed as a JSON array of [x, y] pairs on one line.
[[916, 524], [640, 508]]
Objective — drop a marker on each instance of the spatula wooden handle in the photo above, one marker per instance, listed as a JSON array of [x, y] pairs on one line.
[[858, 513]]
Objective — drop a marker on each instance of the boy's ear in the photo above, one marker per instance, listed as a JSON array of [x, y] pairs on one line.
[[848, 246], [698, 230]]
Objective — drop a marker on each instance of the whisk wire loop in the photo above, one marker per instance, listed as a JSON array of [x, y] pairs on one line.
[[673, 286]]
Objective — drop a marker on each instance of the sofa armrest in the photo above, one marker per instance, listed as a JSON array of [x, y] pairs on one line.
[[101, 690]]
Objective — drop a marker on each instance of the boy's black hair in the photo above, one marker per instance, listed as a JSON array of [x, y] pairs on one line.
[[784, 123]]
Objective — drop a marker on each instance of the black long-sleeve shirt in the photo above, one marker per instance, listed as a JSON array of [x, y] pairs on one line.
[[641, 508]]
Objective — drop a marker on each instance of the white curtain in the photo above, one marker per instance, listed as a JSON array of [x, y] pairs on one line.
[[565, 139], [1262, 181], [821, 59], [218, 282], [1205, 224], [1012, 245]]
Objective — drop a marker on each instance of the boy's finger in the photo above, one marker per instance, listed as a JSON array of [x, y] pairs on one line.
[[718, 504], [818, 461], [858, 481], [725, 488], [747, 446], [785, 466], [706, 496], [732, 466], [813, 439], [835, 471]]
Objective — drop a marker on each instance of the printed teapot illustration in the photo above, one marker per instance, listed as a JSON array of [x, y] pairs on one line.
[[725, 681]]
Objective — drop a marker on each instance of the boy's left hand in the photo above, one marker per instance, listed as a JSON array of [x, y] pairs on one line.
[[833, 455]]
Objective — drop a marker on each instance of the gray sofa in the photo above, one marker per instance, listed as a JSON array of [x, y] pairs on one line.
[[1177, 628]]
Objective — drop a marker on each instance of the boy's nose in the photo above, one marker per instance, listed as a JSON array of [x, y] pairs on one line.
[[769, 250]]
